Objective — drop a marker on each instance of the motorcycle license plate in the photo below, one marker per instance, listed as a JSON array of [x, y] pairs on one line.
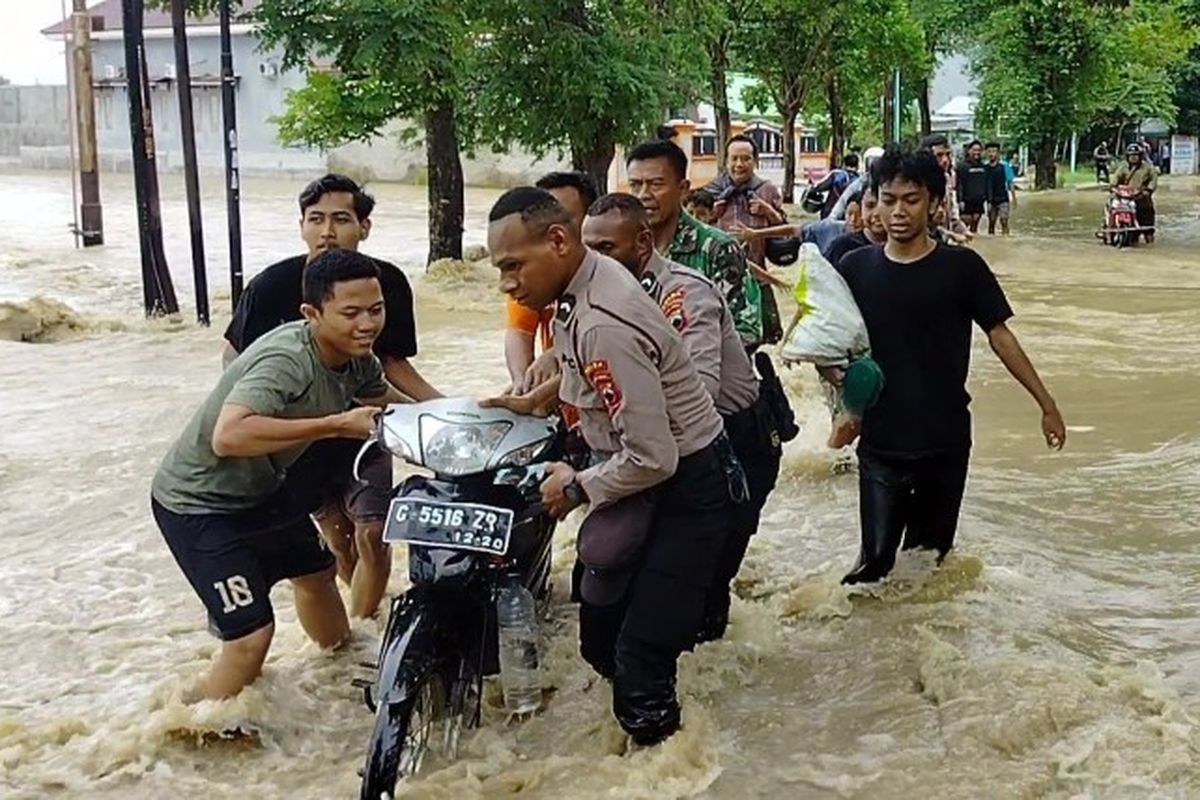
[[455, 526]]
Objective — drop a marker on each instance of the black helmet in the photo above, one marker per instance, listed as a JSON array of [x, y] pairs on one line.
[[1134, 149]]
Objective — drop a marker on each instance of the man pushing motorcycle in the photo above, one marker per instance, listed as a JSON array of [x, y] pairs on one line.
[[1142, 177]]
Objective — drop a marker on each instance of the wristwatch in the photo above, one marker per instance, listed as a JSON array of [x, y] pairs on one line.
[[573, 491]]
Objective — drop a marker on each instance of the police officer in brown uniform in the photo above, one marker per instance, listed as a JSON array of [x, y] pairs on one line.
[[617, 226], [665, 482]]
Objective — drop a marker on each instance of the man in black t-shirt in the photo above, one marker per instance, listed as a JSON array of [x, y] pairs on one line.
[[998, 205], [335, 213], [919, 300], [972, 186]]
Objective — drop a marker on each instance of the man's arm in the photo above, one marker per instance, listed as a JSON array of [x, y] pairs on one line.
[[228, 354], [539, 401], [390, 396], [747, 234], [518, 354], [1005, 345], [240, 432], [403, 375], [703, 309], [622, 374]]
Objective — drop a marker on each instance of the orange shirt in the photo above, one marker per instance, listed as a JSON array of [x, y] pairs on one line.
[[532, 322]]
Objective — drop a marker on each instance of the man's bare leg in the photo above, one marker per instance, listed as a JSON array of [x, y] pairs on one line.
[[371, 573], [338, 532], [238, 665], [320, 609]]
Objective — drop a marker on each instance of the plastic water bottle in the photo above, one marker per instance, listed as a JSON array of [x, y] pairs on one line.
[[517, 618]]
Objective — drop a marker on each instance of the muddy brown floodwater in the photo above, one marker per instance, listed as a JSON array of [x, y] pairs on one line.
[[1056, 654]]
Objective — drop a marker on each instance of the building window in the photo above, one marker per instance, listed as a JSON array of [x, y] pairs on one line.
[[765, 140], [810, 143], [704, 144]]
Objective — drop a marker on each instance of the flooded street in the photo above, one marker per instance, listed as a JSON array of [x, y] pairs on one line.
[[1056, 654]]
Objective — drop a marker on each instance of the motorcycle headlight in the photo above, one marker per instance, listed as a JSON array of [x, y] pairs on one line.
[[522, 456], [456, 448]]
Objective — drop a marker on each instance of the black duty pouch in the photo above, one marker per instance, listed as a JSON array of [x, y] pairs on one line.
[[771, 391]]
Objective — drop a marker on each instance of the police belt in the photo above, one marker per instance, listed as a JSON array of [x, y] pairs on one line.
[[613, 538]]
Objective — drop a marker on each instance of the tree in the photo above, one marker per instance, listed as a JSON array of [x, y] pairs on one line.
[[1187, 88], [1146, 48], [575, 76], [1040, 67], [876, 38], [717, 24], [782, 43], [390, 60], [944, 34]]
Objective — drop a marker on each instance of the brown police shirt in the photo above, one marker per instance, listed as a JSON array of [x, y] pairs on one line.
[[641, 403], [695, 308]]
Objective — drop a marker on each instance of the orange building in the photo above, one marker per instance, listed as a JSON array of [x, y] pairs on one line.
[[699, 141]]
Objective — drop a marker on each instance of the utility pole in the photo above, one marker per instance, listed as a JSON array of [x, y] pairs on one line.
[[233, 186], [90, 213], [183, 78], [896, 106], [158, 293]]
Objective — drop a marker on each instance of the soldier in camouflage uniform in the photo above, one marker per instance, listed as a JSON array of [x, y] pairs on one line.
[[658, 177]]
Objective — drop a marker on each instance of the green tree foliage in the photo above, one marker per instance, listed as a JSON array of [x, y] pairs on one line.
[[1187, 89], [875, 38], [782, 43], [1050, 68], [575, 76], [390, 59], [1041, 65], [1146, 47], [715, 26]]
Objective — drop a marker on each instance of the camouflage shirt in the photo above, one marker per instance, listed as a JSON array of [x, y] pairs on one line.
[[717, 256]]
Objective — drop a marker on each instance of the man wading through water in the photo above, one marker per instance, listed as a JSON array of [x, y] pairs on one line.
[[919, 300], [335, 214], [232, 522], [617, 226], [663, 486]]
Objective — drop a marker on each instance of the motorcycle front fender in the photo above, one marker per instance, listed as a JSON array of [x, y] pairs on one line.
[[410, 648]]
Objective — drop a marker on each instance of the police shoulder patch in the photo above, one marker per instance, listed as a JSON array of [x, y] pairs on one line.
[[672, 308], [600, 376]]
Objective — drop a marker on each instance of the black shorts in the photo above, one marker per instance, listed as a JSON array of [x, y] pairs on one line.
[[324, 477], [233, 560], [972, 208]]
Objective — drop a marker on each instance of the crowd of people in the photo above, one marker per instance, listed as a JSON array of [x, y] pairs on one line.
[[651, 309]]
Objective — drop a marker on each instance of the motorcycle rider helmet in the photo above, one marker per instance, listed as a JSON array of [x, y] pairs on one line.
[[1133, 149]]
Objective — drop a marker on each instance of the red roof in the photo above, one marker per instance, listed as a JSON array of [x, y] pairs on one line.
[[106, 16]]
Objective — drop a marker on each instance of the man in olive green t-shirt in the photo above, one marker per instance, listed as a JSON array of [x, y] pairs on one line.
[[219, 496]]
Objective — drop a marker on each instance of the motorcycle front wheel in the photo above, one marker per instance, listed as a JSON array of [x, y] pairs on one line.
[[405, 731]]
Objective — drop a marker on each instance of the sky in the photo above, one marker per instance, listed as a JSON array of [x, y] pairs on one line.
[[27, 57]]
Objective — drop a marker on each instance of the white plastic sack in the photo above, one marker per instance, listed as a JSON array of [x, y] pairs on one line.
[[828, 329]]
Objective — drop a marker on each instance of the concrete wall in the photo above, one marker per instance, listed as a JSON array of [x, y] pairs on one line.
[[32, 116], [42, 141], [261, 92]]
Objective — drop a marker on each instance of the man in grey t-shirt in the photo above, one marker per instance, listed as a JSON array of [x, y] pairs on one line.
[[219, 496]]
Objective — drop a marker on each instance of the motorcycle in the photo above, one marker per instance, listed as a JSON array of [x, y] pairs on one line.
[[1121, 228], [472, 526]]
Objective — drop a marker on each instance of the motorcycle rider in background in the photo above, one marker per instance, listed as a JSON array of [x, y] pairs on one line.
[[1142, 177]]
